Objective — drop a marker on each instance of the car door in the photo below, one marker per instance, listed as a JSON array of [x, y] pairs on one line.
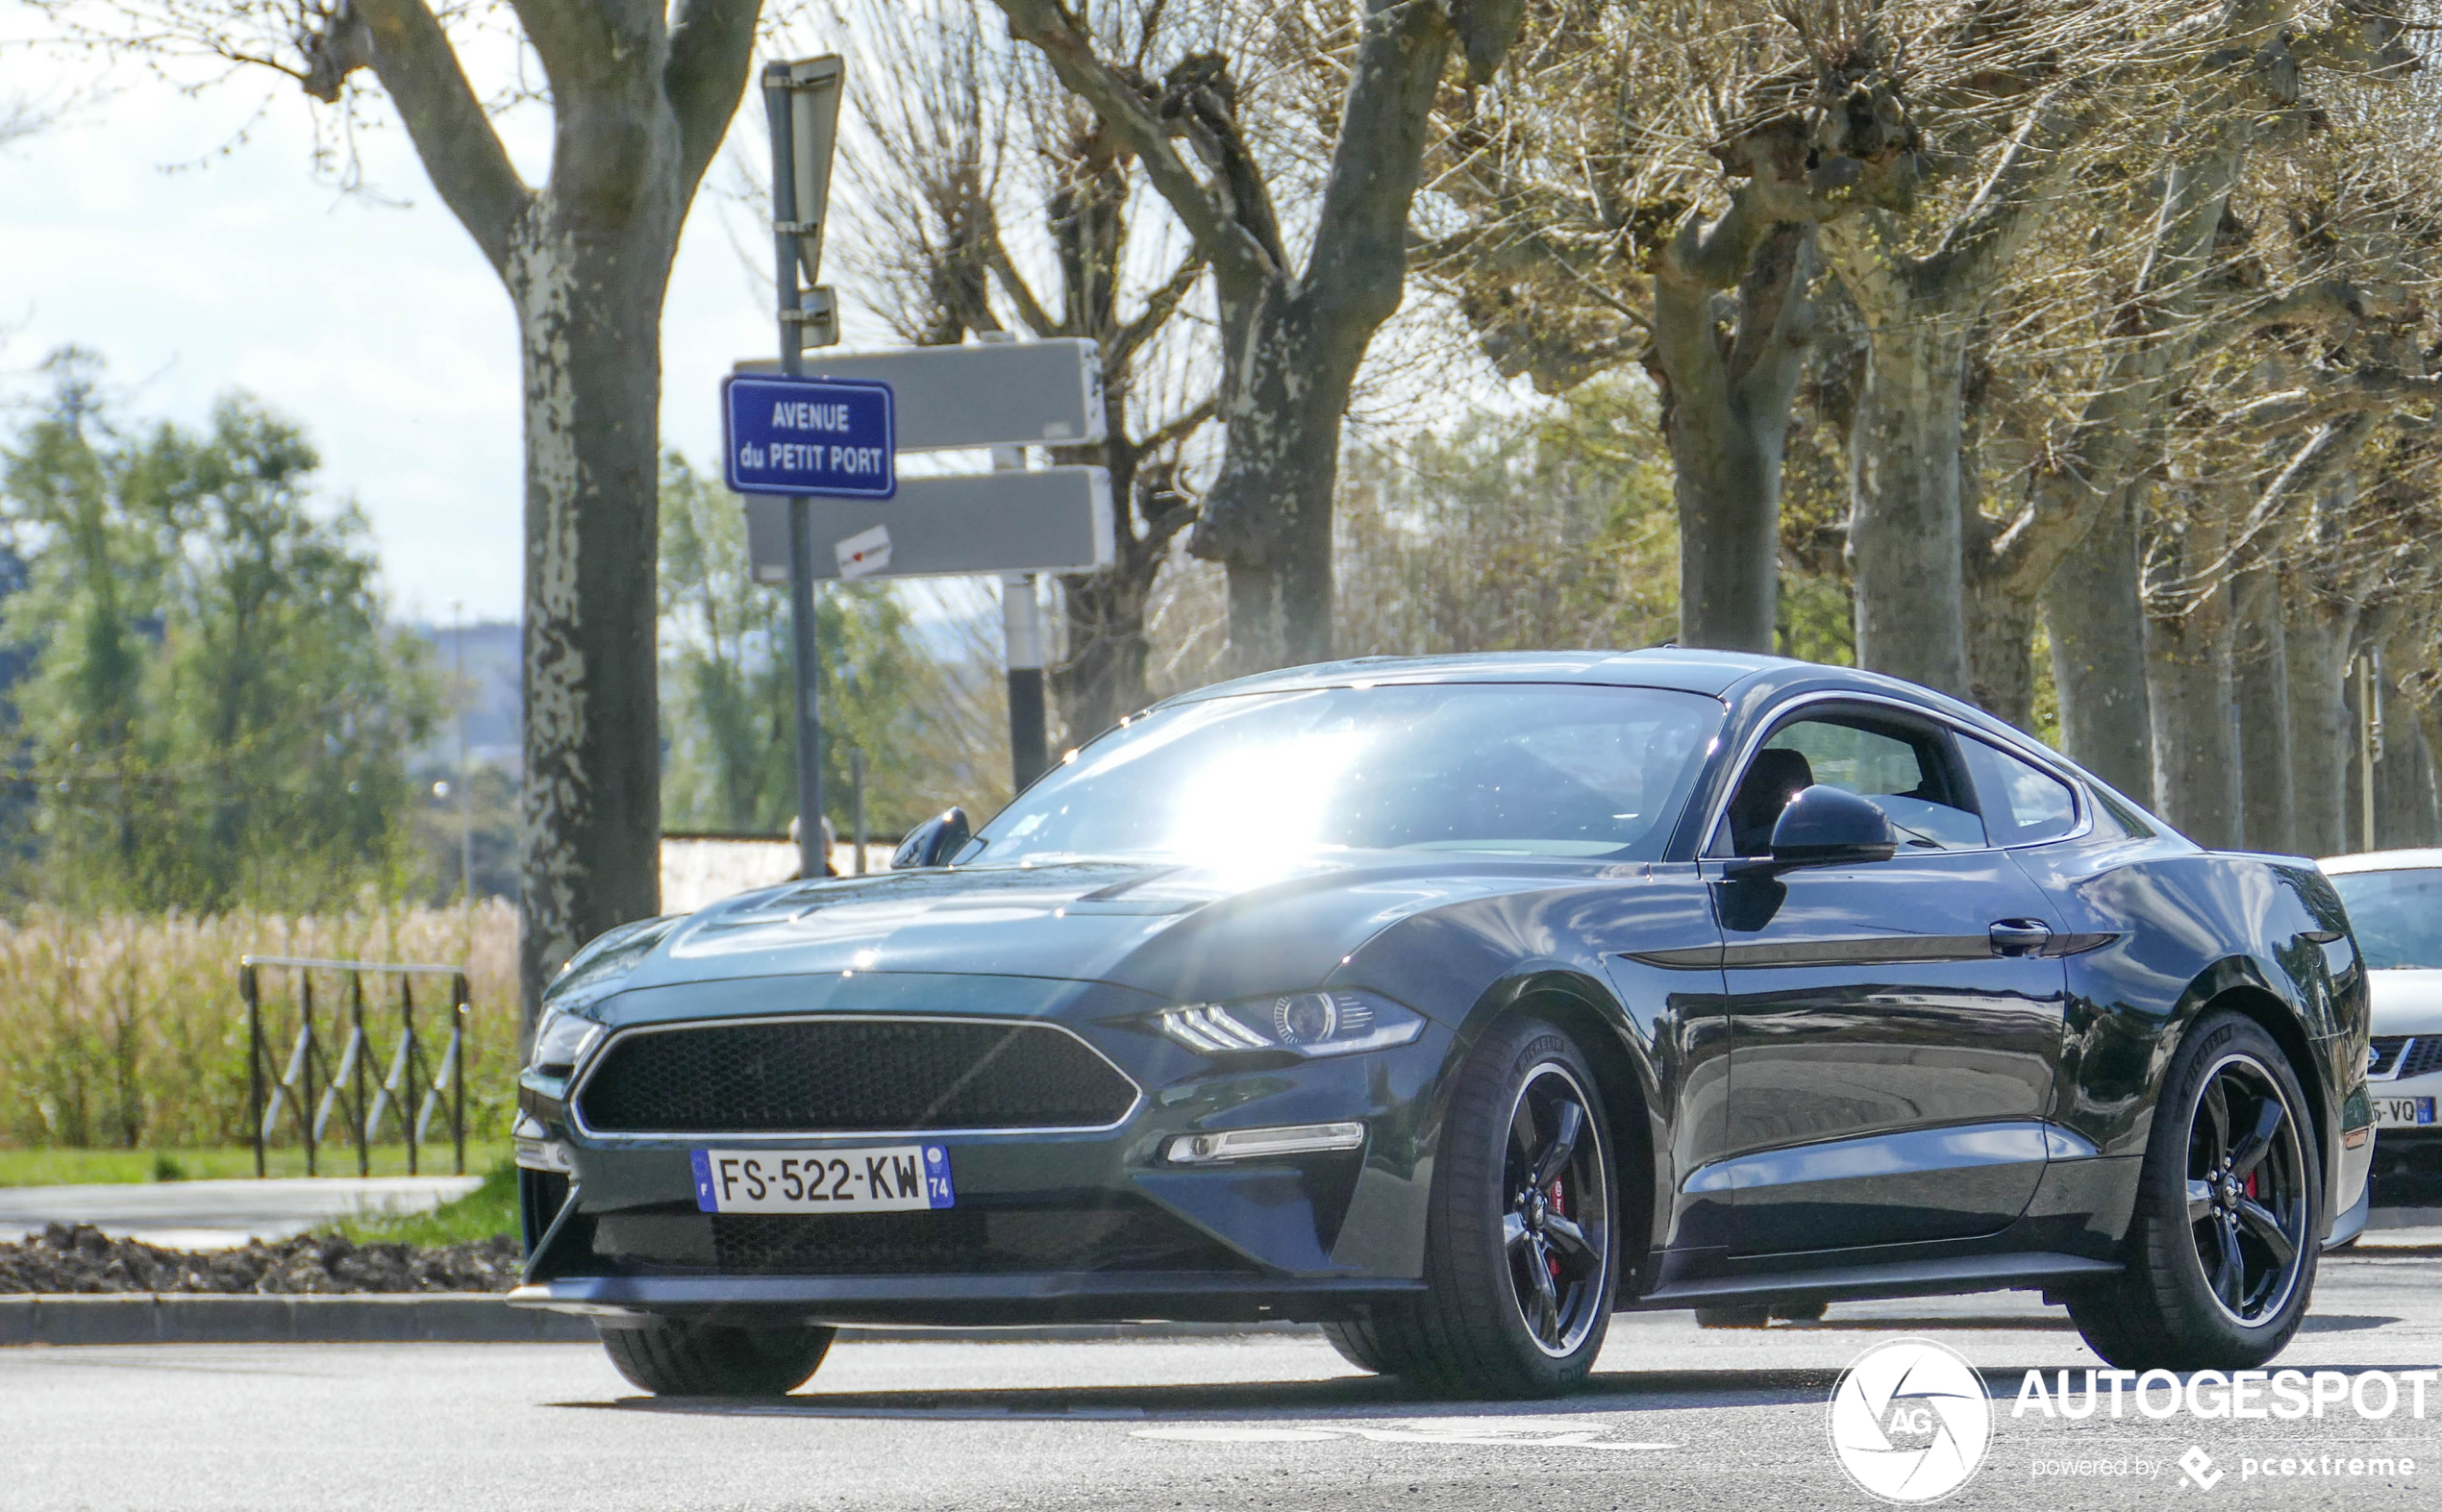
[[1894, 1026]]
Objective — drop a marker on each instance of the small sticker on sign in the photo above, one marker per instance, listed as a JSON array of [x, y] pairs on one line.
[[865, 552]]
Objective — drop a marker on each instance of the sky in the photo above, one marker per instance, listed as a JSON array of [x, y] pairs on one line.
[[367, 319]]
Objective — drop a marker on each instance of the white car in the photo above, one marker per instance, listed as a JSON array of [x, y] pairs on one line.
[[2395, 907]]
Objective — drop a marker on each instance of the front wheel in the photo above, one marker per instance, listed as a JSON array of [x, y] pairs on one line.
[[2221, 1250], [1520, 1259], [677, 1357]]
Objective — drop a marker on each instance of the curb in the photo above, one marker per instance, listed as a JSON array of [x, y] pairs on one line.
[[442, 1318], [212, 1318]]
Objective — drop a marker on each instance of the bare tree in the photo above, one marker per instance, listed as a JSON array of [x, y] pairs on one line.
[[1293, 334], [999, 202], [642, 93]]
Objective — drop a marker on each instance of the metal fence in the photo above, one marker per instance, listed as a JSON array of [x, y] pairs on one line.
[[309, 1089]]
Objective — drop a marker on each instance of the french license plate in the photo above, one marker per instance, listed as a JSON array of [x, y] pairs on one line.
[[2402, 1112], [887, 1179]]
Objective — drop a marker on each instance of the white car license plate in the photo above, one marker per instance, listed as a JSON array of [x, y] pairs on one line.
[[884, 1178], [2402, 1112]]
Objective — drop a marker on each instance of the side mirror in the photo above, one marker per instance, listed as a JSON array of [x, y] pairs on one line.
[[1826, 827], [935, 841]]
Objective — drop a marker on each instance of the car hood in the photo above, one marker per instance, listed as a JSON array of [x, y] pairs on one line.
[[2403, 1001], [1183, 932]]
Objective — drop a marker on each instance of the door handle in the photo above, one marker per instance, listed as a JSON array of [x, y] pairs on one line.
[[2020, 936]]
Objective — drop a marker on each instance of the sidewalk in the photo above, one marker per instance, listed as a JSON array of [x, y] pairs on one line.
[[219, 1215]]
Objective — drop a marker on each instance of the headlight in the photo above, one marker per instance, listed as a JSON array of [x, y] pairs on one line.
[[592, 974], [561, 1041], [1317, 1023]]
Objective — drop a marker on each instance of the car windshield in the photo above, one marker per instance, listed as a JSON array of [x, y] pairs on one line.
[[2397, 916], [1507, 768]]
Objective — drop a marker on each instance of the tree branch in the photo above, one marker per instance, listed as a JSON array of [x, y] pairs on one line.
[[1359, 255], [1159, 305], [1181, 426], [1065, 45], [1031, 312], [1986, 233], [461, 154], [712, 50]]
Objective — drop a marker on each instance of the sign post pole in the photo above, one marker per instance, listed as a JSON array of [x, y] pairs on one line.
[[801, 101], [1022, 640]]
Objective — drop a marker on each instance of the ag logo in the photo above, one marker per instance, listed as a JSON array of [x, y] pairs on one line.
[[1909, 1421]]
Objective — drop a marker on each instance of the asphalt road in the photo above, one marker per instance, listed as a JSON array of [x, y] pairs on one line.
[[1678, 1417]]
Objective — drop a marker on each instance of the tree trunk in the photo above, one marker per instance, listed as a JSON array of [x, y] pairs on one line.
[[2098, 650], [2000, 606], [589, 315], [2259, 669], [1903, 534], [2317, 641], [2188, 694], [1725, 410], [2404, 777]]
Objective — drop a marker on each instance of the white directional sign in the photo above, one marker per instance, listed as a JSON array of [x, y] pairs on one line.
[[1057, 519], [1009, 393]]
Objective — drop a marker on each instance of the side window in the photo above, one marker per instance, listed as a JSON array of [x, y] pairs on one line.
[[2023, 803], [1903, 768]]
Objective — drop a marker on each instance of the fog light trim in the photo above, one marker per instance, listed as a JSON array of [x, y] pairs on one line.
[[546, 1155], [1263, 1144]]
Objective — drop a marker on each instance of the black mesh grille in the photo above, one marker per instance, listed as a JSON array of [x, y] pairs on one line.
[[2386, 1053], [2424, 1054], [845, 1076], [961, 1241]]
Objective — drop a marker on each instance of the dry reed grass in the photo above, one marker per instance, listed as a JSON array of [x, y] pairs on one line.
[[128, 1031]]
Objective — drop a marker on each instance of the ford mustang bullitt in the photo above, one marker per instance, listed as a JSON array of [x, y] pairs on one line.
[[1454, 1005]]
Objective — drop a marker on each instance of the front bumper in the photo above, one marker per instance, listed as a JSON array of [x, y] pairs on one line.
[[2410, 1148], [1087, 1227]]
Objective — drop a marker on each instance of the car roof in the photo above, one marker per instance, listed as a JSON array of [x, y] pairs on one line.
[[1684, 668], [2413, 859]]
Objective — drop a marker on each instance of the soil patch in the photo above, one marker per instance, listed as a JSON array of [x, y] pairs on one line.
[[78, 1257]]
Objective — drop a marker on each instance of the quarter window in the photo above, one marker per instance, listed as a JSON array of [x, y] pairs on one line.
[[2023, 803]]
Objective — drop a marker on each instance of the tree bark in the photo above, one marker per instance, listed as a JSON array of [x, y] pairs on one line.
[[1903, 534], [1726, 398], [2097, 652], [589, 315], [2260, 675], [2404, 777], [2317, 639], [640, 100], [2188, 696]]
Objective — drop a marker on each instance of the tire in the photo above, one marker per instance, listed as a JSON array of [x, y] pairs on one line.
[[1483, 1326], [2208, 1286], [675, 1357]]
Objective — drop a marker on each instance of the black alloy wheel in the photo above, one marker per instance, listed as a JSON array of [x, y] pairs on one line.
[[1521, 1260], [2247, 1202], [1556, 1188], [2222, 1247]]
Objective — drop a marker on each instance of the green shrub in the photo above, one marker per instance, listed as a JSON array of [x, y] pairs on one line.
[[127, 1030]]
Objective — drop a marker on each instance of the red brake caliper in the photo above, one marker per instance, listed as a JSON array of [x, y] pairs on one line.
[[1561, 1209]]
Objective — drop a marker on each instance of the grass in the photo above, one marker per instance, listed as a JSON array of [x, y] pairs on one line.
[[80, 1166], [489, 1209]]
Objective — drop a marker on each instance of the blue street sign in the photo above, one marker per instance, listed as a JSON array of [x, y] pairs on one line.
[[825, 437]]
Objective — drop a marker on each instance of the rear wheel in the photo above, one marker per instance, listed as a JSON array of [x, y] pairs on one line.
[[677, 1358], [1520, 1249], [2221, 1250]]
